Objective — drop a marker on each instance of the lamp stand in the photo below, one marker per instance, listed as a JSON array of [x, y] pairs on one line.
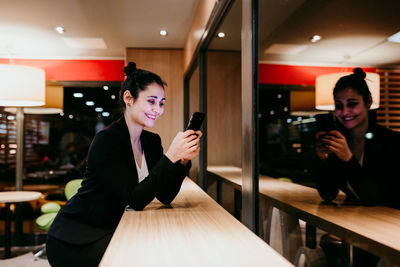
[[19, 167]]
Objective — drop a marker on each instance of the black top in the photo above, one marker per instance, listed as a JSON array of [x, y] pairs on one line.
[[111, 183], [376, 182]]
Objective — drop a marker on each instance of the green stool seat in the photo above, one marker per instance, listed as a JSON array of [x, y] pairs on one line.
[[45, 220], [50, 207], [72, 187]]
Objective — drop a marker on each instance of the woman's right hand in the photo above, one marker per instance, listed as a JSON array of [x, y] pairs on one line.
[[185, 146]]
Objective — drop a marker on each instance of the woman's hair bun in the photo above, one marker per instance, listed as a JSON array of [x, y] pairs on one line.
[[358, 72], [130, 68]]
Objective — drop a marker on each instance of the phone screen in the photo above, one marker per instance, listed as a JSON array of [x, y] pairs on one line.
[[326, 122], [195, 121]]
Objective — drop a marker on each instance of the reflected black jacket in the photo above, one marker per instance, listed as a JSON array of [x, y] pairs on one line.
[[111, 183], [376, 182]]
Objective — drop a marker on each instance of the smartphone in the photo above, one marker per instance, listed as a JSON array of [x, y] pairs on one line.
[[196, 120], [326, 122]]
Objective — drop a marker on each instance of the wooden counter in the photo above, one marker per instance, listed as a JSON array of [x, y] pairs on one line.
[[375, 229], [194, 231]]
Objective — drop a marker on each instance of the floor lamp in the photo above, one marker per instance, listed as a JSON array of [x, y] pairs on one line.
[[324, 85], [21, 86]]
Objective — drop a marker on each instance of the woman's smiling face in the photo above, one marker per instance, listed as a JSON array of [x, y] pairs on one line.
[[350, 108], [148, 106]]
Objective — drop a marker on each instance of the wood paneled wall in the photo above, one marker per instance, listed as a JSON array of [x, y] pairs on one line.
[[168, 64], [388, 113], [224, 112]]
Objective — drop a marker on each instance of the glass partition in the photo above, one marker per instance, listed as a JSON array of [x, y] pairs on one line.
[[298, 42]]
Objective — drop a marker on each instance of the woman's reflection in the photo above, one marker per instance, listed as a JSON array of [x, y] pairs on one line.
[[358, 156]]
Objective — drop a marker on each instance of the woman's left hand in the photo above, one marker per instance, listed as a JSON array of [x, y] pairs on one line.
[[337, 143]]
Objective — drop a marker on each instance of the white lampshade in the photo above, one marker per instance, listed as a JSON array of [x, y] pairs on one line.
[[324, 85], [21, 86], [53, 105]]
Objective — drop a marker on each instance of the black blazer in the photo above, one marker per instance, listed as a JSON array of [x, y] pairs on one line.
[[376, 182], [111, 183]]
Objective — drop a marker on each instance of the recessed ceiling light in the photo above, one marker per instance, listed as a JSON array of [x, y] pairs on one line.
[[316, 38], [78, 95], [163, 33], [99, 109], [105, 114], [221, 35], [395, 38], [89, 103], [112, 96], [71, 116], [60, 29], [105, 87]]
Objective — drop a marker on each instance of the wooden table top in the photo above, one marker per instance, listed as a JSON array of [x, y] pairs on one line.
[[194, 231], [374, 228], [18, 196]]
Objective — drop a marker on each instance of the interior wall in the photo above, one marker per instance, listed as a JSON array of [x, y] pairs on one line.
[[168, 64], [224, 112]]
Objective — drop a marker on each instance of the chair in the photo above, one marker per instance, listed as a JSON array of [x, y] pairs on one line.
[[51, 209]]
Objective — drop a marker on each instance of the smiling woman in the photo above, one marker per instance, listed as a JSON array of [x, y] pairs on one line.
[[360, 157], [126, 166]]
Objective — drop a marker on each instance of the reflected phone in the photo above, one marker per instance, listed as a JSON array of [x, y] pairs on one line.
[[326, 122], [196, 120]]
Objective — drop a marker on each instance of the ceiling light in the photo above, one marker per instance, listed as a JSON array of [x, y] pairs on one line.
[[71, 116], [221, 35], [78, 95], [89, 103], [112, 96], [60, 29], [316, 38], [163, 33], [105, 87], [105, 114], [395, 38], [99, 109]]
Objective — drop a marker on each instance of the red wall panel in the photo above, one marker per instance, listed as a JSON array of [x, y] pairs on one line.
[[75, 70], [297, 75]]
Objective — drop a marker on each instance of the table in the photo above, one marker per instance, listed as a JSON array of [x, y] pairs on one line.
[[193, 231], [375, 228], [14, 197]]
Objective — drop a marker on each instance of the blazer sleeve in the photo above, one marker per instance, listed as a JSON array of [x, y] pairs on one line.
[[114, 165]]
